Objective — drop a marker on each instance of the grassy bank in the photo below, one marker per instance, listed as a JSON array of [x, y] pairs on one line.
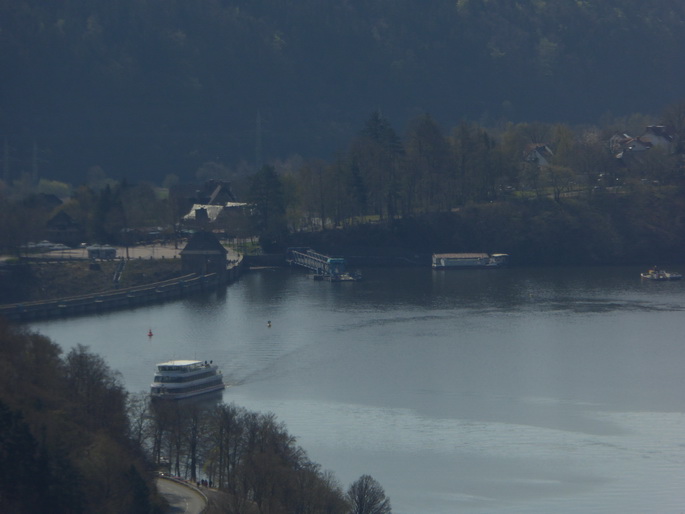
[[49, 280]]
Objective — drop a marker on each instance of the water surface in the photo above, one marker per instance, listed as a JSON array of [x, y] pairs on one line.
[[511, 390]]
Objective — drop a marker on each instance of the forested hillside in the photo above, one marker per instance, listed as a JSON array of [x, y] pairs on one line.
[[64, 433], [73, 440], [149, 88]]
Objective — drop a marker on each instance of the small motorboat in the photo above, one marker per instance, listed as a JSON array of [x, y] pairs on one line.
[[660, 275]]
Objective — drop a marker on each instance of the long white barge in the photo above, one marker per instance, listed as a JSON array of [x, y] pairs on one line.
[[469, 260], [179, 379]]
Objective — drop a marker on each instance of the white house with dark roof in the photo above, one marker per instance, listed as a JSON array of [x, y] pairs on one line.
[[624, 146]]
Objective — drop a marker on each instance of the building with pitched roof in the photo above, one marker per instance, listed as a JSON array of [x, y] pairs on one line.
[[204, 254]]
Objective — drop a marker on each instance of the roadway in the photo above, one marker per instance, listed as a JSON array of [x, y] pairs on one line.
[[159, 251], [182, 498]]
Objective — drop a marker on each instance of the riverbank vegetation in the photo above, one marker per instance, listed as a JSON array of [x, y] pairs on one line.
[[636, 227], [73, 440], [65, 442], [548, 194], [545, 193], [250, 456]]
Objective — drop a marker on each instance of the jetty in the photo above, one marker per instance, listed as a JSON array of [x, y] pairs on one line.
[[324, 267]]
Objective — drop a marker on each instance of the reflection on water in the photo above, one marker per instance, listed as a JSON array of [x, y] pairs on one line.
[[509, 390]]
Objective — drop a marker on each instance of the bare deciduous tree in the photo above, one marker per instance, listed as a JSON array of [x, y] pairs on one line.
[[366, 496]]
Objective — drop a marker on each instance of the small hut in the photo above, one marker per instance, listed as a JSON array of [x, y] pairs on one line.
[[204, 254]]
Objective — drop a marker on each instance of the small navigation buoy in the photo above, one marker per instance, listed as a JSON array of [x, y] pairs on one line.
[[149, 333], [268, 323]]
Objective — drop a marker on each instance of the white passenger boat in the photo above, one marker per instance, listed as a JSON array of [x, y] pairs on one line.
[[178, 379]]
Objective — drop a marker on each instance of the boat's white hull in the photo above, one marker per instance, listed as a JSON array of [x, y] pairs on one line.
[[171, 395], [466, 265], [662, 278]]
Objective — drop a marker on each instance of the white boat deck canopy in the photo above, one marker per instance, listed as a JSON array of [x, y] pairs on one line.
[[179, 363]]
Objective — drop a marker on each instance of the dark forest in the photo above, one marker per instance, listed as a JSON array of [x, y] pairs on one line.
[[152, 88]]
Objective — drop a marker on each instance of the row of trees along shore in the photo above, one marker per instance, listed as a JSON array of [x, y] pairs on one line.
[[475, 190], [386, 176], [72, 440], [469, 190]]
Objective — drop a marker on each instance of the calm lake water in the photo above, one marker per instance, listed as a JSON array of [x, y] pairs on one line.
[[495, 391]]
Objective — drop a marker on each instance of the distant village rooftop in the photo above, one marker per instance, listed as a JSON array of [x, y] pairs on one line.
[[212, 211]]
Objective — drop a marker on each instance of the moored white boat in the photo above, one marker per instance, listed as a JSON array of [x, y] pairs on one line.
[[469, 260], [179, 379], [660, 275]]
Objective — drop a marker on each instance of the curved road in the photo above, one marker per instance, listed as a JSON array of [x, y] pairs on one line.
[[181, 498]]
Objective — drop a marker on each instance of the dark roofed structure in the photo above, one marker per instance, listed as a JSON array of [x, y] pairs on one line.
[[204, 254], [61, 228], [538, 153], [221, 193], [214, 192]]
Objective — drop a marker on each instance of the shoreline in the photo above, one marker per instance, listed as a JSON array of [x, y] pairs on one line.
[[69, 272]]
